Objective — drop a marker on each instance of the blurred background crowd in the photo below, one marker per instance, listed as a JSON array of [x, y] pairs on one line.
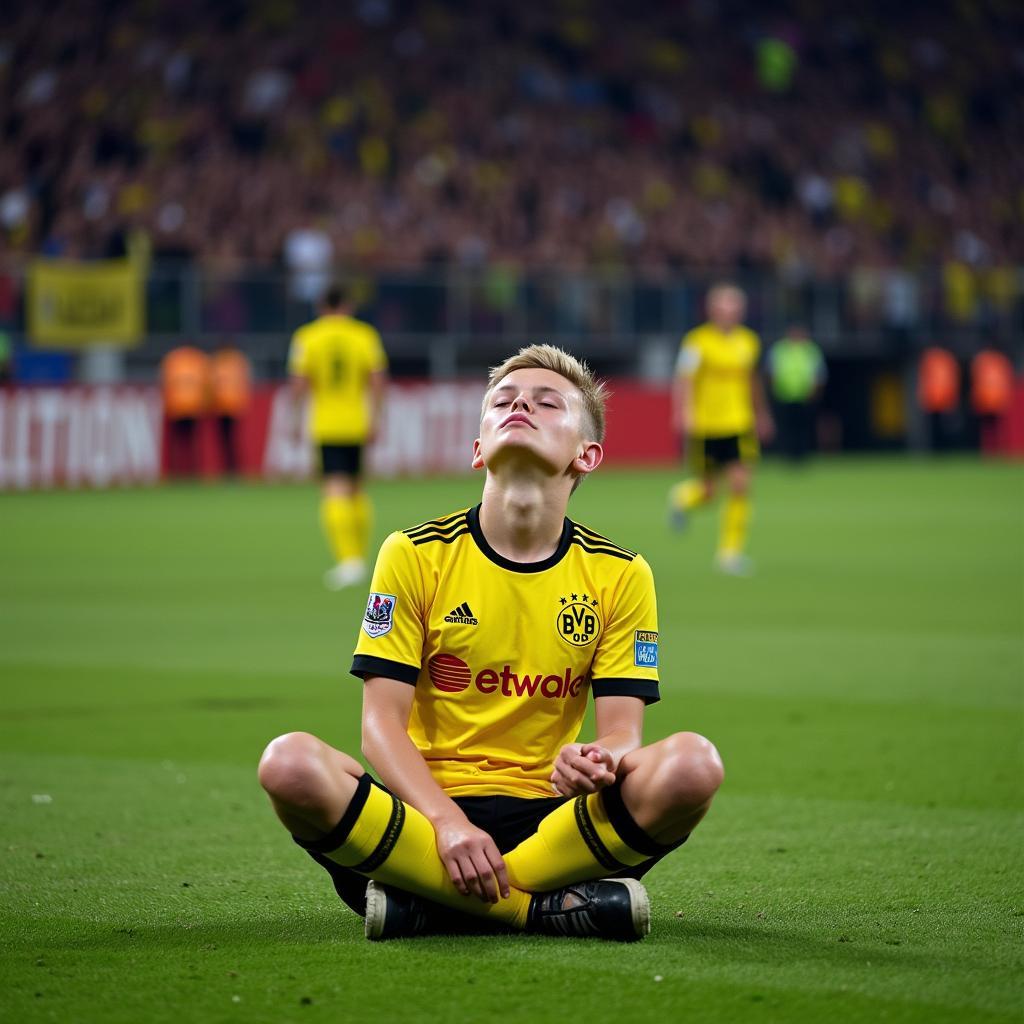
[[571, 134]]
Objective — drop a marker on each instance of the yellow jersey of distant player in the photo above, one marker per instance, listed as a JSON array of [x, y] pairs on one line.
[[337, 355], [502, 654], [721, 364]]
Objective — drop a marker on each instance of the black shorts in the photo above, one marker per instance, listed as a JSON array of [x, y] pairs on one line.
[[710, 454], [508, 820], [341, 458]]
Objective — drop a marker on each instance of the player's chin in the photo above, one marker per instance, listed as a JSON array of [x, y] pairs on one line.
[[519, 437], [523, 447]]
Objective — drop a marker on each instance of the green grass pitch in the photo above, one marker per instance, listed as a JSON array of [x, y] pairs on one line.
[[863, 861]]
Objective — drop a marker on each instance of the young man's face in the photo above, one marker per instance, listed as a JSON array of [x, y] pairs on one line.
[[726, 307], [535, 415]]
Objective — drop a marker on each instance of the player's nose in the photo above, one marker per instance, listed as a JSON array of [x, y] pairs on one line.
[[521, 403]]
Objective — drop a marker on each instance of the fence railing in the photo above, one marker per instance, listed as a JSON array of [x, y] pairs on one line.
[[447, 321]]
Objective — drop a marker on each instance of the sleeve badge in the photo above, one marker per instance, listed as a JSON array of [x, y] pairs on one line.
[[645, 648], [379, 616]]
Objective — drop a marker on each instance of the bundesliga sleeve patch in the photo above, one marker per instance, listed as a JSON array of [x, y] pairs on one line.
[[645, 648], [379, 616]]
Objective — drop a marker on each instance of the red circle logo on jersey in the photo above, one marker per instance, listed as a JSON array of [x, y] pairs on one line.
[[448, 673]]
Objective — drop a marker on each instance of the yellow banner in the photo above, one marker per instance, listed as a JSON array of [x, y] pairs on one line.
[[74, 304]]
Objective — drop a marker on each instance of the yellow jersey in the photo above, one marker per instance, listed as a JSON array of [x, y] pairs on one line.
[[337, 355], [503, 654], [721, 364]]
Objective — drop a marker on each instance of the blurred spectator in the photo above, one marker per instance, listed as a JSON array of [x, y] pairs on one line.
[[308, 254], [230, 378], [938, 393], [796, 368], [513, 132], [185, 382]]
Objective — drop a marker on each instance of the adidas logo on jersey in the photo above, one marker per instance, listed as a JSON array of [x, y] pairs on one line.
[[462, 616]]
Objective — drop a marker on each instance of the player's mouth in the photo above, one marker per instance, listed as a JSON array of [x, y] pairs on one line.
[[516, 417]]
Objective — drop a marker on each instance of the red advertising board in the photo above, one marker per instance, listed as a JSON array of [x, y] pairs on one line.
[[79, 437], [114, 436]]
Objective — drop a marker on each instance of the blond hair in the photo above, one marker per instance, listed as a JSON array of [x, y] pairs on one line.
[[593, 393], [721, 288]]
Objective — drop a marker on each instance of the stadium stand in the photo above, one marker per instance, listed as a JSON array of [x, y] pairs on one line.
[[697, 135]]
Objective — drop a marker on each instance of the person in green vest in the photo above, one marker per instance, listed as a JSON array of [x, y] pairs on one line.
[[6, 360], [798, 374]]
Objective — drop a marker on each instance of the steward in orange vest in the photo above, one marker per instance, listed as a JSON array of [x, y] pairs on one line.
[[232, 378], [185, 383]]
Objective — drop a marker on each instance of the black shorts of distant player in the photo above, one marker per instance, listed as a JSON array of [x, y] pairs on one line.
[[341, 459], [710, 454]]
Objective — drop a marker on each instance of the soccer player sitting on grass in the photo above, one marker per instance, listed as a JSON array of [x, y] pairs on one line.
[[483, 633]]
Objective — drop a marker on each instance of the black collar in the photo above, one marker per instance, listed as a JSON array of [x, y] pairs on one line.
[[473, 516]]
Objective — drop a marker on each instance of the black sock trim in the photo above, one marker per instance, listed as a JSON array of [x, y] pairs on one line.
[[387, 841], [585, 824], [624, 823], [330, 842]]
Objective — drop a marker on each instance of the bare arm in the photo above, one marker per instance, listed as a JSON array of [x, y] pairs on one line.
[[298, 387], [682, 402], [762, 410], [378, 385], [470, 855], [588, 767], [393, 755], [298, 391]]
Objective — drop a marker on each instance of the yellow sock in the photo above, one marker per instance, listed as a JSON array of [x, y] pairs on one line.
[[735, 522], [363, 509], [689, 494], [389, 841], [579, 841], [338, 518]]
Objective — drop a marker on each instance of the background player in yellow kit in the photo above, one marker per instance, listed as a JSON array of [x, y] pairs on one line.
[[341, 363], [720, 408], [483, 635]]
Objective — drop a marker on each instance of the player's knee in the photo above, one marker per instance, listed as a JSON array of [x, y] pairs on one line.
[[692, 769], [338, 485], [290, 768], [739, 481]]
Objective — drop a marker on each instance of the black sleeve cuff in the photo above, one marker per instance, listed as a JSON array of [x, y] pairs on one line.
[[645, 689], [364, 665]]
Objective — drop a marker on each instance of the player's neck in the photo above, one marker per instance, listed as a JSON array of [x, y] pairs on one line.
[[522, 519]]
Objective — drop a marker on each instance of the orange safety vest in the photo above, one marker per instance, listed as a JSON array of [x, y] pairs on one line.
[[938, 381], [185, 378], [991, 383], [231, 378]]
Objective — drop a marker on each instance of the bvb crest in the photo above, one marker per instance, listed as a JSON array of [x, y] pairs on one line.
[[578, 620]]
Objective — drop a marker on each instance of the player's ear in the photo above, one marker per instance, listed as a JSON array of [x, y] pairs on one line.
[[478, 455], [589, 458]]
